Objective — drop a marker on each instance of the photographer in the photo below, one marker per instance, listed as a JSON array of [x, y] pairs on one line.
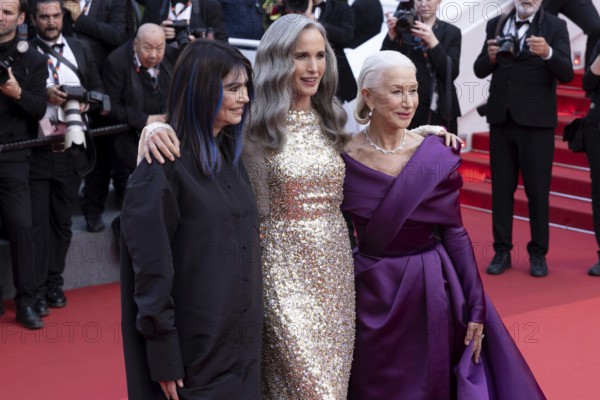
[[183, 21], [56, 171], [526, 51], [22, 104], [434, 47]]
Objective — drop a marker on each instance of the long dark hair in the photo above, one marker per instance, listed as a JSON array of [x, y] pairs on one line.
[[195, 96]]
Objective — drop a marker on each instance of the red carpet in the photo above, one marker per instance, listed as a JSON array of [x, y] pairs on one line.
[[76, 356], [554, 321]]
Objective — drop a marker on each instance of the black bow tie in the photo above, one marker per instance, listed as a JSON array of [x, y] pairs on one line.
[[519, 24], [58, 47]]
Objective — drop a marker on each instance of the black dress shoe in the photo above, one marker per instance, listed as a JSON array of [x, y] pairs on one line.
[[56, 297], [41, 307], [30, 319], [94, 223], [595, 269], [499, 264], [538, 265]]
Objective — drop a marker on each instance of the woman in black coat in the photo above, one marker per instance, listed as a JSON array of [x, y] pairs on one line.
[[191, 277]]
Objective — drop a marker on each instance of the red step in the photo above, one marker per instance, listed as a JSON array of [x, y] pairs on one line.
[[573, 182], [572, 101], [571, 213], [562, 154]]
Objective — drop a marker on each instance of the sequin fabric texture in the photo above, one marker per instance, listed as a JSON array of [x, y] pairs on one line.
[[308, 270]]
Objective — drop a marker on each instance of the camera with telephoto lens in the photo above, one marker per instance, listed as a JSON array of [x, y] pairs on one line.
[[509, 49], [81, 95], [13, 55], [182, 31], [406, 16], [75, 96]]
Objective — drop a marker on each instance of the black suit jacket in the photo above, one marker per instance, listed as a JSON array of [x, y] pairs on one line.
[[18, 118], [104, 28], [205, 14], [368, 18], [338, 21], [527, 88], [450, 42]]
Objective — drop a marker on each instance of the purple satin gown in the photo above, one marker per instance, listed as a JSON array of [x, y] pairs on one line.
[[416, 293]]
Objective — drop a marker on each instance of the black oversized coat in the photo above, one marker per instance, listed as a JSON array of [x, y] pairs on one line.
[[192, 304]]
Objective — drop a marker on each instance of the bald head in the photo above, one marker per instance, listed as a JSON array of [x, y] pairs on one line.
[[149, 45], [150, 31]]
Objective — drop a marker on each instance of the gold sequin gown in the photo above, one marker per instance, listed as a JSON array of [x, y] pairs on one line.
[[307, 268]]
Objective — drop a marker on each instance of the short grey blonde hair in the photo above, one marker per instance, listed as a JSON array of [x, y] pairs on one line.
[[371, 77]]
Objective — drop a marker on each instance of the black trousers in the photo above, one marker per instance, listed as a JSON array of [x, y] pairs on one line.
[[584, 14], [95, 189], [54, 184], [15, 211], [592, 149], [528, 150]]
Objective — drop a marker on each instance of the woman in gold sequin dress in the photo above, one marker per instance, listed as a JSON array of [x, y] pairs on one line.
[[293, 159]]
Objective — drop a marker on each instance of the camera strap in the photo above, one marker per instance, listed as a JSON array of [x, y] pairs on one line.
[[49, 50]]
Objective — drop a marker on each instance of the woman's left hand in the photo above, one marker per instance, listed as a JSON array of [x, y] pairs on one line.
[[425, 32], [475, 334], [158, 141], [451, 139]]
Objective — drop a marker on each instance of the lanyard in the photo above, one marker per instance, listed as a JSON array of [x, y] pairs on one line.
[[86, 6], [54, 69], [181, 11]]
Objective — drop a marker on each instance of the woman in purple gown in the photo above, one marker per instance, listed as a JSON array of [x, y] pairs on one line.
[[421, 309]]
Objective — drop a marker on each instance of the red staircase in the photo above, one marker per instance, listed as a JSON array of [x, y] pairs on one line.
[[570, 204]]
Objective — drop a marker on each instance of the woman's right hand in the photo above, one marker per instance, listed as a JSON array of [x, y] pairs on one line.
[[160, 141], [169, 388]]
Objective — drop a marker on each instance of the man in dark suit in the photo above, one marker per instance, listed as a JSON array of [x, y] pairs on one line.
[[22, 104], [338, 20], [136, 77], [201, 14], [368, 17], [103, 25], [521, 111], [584, 14], [55, 171]]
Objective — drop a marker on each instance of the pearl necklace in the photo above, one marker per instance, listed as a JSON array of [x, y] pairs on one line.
[[381, 149]]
